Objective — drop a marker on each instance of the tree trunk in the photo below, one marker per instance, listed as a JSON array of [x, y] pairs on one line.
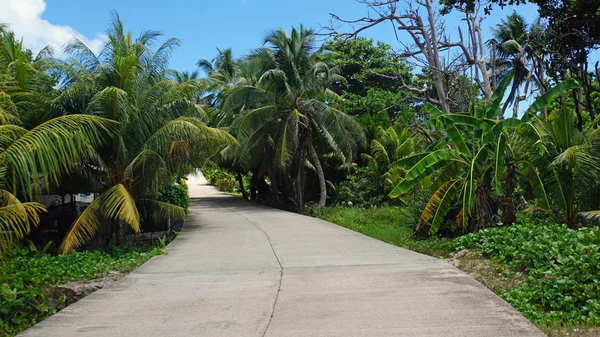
[[274, 184], [433, 55], [579, 119], [320, 174], [493, 54], [300, 189], [508, 206], [119, 233], [240, 180], [485, 208], [253, 187]]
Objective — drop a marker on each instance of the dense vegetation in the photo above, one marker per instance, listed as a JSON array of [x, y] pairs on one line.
[[23, 277], [559, 268], [441, 151], [427, 139]]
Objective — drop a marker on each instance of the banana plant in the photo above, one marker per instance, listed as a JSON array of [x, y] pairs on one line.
[[469, 162]]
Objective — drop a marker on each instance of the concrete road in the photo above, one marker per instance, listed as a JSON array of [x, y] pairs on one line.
[[239, 269]]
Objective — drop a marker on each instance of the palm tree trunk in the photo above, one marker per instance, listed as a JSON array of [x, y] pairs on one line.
[[253, 187], [320, 174], [485, 208], [300, 189], [274, 184], [579, 118], [508, 206], [240, 180]]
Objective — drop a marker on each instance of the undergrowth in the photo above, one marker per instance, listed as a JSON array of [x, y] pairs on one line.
[[23, 301]]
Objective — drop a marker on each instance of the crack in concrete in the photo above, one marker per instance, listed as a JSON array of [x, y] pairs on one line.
[[274, 254]]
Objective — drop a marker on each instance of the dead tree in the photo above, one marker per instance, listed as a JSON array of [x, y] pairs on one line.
[[427, 42]]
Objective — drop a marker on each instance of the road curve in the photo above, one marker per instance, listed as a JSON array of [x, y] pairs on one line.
[[239, 269]]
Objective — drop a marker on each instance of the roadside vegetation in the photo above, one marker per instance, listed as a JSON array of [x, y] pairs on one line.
[[26, 277], [448, 143]]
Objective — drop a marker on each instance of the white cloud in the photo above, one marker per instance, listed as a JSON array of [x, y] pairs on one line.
[[24, 17], [244, 2]]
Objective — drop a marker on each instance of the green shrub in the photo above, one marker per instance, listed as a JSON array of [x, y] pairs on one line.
[[23, 301], [176, 194], [561, 268], [363, 188], [225, 181]]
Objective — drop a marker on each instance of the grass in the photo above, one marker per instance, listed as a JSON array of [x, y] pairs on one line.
[[388, 224], [23, 276]]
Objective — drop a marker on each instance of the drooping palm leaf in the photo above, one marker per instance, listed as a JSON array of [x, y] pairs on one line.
[[115, 204], [52, 148]]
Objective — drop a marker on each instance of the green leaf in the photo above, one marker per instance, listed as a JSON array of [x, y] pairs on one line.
[[545, 99]]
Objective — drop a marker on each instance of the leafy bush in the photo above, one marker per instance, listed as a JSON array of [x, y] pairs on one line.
[[23, 301], [224, 181], [560, 266], [363, 188], [176, 194]]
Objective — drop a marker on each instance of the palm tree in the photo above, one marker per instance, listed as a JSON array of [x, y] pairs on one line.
[[514, 44], [390, 145], [30, 160], [33, 158], [285, 111], [569, 163], [160, 134]]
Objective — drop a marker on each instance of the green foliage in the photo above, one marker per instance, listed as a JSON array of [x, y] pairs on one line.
[[23, 301], [470, 162], [362, 62], [280, 112], [160, 135], [175, 194], [372, 85], [567, 160], [36, 150], [561, 268], [224, 181], [394, 225], [363, 188]]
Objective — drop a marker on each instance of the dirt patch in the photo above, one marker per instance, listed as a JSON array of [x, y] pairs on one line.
[[494, 276], [572, 332], [63, 295]]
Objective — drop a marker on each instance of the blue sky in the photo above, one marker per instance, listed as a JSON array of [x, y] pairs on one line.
[[201, 25]]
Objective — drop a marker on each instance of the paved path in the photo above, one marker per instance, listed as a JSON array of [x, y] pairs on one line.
[[244, 270]]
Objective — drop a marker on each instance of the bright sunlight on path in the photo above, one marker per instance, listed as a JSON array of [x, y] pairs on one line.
[[239, 269]]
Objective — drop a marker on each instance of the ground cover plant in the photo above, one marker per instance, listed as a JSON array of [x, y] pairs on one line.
[[23, 275]]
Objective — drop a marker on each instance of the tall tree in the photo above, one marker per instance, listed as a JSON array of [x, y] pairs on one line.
[[517, 46], [289, 117], [427, 40], [36, 151], [160, 131]]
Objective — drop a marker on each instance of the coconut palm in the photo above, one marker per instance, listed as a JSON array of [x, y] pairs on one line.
[[515, 44], [569, 162], [31, 160], [390, 145], [34, 155], [285, 114], [160, 134]]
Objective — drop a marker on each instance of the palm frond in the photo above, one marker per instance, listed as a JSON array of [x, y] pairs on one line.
[[53, 147], [114, 204]]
